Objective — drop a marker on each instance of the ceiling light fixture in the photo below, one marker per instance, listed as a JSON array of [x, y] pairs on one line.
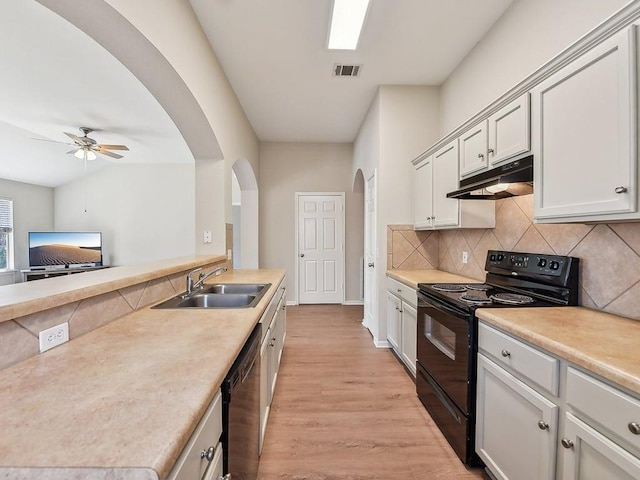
[[346, 23], [85, 154]]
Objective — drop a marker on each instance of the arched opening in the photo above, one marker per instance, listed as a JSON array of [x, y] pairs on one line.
[[245, 215]]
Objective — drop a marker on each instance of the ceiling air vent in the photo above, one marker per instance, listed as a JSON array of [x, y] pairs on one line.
[[346, 70]]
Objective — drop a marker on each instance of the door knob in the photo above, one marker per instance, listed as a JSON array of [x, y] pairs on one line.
[[301, 255], [370, 264]]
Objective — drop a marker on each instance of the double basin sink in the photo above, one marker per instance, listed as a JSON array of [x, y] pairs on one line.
[[220, 295]]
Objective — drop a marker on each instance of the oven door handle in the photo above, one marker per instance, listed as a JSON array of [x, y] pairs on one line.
[[441, 306]]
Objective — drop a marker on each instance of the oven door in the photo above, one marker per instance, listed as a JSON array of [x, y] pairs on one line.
[[444, 348]]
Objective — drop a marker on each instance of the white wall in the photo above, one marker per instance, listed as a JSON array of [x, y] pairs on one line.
[[401, 123], [528, 35], [174, 30], [288, 168], [144, 211], [32, 211]]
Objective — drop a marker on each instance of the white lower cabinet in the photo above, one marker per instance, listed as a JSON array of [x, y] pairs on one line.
[[402, 327], [201, 458], [589, 430], [589, 455], [515, 426], [274, 331]]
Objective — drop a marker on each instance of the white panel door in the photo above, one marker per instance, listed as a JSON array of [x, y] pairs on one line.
[[370, 283], [320, 248]]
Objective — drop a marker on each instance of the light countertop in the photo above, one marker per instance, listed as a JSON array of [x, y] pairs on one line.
[[602, 343], [122, 400], [414, 277], [26, 298]]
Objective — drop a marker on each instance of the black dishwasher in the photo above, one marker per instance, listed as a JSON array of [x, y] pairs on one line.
[[241, 411]]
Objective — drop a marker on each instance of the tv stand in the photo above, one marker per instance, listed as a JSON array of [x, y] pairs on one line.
[[37, 274]]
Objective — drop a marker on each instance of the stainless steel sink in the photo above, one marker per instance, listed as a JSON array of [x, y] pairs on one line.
[[222, 295], [228, 288]]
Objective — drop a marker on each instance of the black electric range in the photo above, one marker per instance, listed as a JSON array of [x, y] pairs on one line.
[[447, 332]]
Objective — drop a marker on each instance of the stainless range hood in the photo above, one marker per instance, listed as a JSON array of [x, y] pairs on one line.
[[508, 180]]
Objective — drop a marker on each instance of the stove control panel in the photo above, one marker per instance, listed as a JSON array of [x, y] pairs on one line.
[[532, 263]]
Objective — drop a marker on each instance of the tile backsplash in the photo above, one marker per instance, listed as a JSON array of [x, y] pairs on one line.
[[609, 253]]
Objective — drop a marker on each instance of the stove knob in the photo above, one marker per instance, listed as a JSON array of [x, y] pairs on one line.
[[554, 265], [500, 257], [542, 262], [492, 257]]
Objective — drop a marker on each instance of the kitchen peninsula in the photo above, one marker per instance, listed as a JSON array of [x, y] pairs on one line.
[[120, 401]]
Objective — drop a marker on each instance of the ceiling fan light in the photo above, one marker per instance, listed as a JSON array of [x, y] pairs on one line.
[[91, 155], [79, 154]]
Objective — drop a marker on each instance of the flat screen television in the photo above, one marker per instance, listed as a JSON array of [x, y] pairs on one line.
[[65, 249]]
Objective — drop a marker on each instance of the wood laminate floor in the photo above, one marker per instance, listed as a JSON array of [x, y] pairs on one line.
[[344, 409]]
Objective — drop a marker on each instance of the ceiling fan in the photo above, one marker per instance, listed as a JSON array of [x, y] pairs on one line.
[[86, 148]]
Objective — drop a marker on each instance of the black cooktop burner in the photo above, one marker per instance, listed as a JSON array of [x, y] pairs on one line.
[[511, 298], [449, 287], [475, 298]]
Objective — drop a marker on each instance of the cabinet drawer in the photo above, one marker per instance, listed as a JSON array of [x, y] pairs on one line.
[[190, 463], [608, 406], [532, 364], [405, 292]]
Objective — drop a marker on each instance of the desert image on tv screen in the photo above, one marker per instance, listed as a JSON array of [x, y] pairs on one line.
[[57, 248]]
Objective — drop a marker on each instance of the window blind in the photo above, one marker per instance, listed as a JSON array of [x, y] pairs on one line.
[[6, 215]]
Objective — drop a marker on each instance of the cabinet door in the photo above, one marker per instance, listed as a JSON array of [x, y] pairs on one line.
[[583, 135], [423, 194], [409, 336], [473, 150], [264, 386], [588, 455], [516, 427], [272, 355], [445, 179], [394, 305], [509, 131]]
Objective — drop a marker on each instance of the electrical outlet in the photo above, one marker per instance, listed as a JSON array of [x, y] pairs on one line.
[[229, 254], [54, 336], [465, 257]]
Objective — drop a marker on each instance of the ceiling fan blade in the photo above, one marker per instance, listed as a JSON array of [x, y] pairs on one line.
[[52, 141], [108, 154], [74, 150], [103, 146], [75, 138]]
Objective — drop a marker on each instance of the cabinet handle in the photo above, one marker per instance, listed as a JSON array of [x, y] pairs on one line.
[[566, 443], [542, 425], [491, 151], [208, 453], [621, 190], [480, 155], [506, 353], [634, 428], [370, 265], [226, 477]]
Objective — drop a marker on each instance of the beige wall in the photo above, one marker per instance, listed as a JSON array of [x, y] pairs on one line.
[[609, 253], [287, 168], [528, 35]]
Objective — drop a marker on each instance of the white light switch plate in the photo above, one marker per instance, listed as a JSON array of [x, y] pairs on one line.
[[54, 336], [206, 236]]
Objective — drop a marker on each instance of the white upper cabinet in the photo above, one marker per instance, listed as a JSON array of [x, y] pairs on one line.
[[423, 184], [495, 140], [445, 180], [584, 134], [473, 150], [437, 175], [509, 131]]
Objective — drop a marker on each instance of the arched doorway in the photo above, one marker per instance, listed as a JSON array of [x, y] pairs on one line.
[[245, 215]]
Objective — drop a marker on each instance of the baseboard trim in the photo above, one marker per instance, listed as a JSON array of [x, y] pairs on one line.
[[382, 344], [353, 302]]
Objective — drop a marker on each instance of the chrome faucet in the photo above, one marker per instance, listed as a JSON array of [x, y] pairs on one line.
[[192, 286]]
